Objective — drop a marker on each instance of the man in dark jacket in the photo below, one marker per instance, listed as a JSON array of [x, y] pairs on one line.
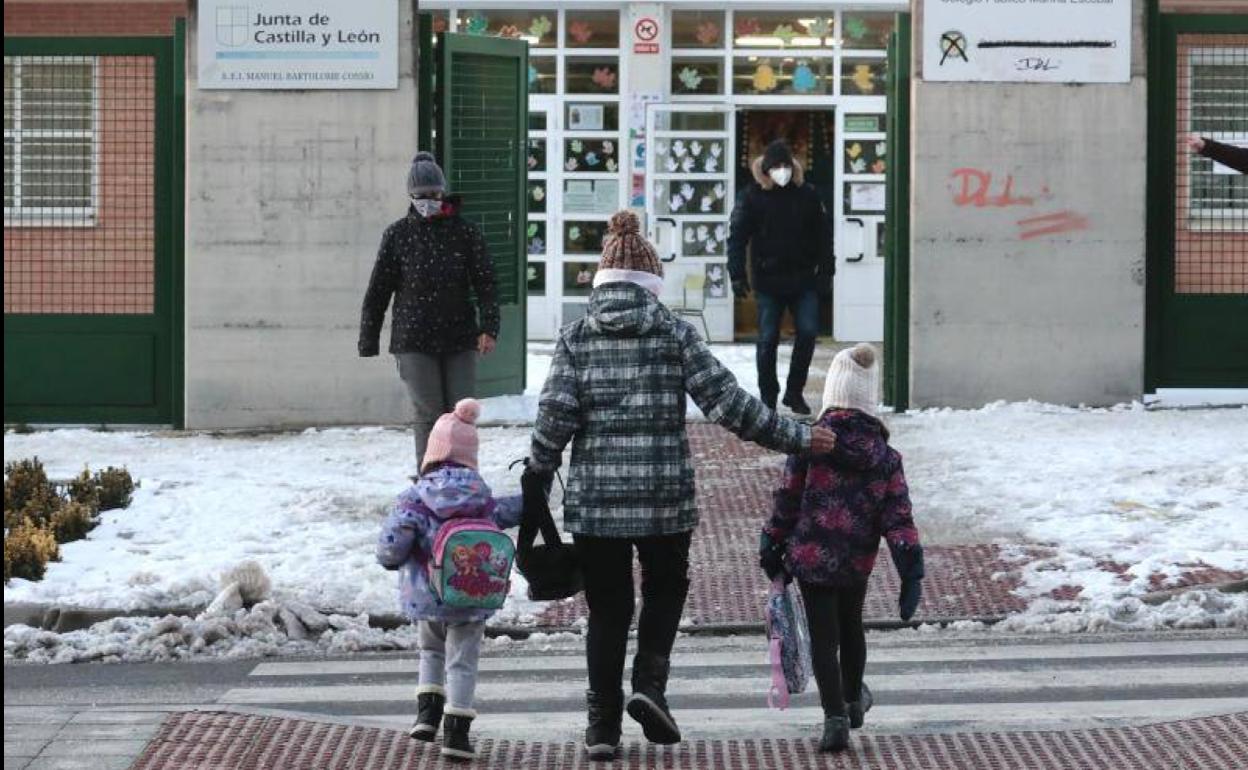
[[432, 262], [782, 221], [1228, 155]]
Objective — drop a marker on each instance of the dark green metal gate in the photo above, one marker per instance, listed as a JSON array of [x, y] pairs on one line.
[[1197, 320], [482, 93], [897, 222], [92, 206]]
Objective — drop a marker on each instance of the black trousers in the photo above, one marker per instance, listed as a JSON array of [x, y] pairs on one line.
[[835, 619], [607, 564]]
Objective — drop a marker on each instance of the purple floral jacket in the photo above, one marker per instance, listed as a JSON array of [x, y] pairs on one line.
[[832, 510], [406, 541]]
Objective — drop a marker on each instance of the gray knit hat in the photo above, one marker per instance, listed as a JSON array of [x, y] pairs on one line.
[[425, 176]]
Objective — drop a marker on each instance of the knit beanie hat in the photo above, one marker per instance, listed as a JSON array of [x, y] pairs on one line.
[[425, 176], [454, 437], [853, 380], [777, 154], [625, 248]]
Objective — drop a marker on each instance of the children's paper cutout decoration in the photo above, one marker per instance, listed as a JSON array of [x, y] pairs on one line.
[[581, 32], [608, 147], [804, 80], [612, 165], [711, 165], [537, 246], [858, 166], [721, 231], [574, 233], [706, 203], [765, 77], [748, 27], [676, 203], [690, 235], [532, 229], [881, 149], [712, 246], [786, 33], [690, 78], [660, 148], [510, 31], [591, 159], [604, 78], [717, 149], [671, 164], [539, 193], [695, 147], [570, 164], [540, 27], [854, 150], [477, 25], [863, 79], [878, 167], [533, 75], [856, 28], [679, 149], [720, 191], [577, 145], [820, 28], [708, 33], [686, 165], [704, 232], [686, 190]]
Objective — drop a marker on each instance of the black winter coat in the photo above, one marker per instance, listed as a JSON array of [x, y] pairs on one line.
[[788, 235], [432, 267]]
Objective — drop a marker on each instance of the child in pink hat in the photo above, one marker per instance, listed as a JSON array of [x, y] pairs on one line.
[[449, 489]]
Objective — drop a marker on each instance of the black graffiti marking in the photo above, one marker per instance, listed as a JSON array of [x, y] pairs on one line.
[[1047, 44], [953, 43]]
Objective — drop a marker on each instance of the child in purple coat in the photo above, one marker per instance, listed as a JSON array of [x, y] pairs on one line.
[[825, 531], [449, 488]]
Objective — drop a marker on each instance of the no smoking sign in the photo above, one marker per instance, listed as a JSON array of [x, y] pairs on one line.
[[646, 36]]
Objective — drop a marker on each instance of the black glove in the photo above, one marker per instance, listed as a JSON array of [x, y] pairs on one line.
[[740, 288], [771, 558], [911, 593]]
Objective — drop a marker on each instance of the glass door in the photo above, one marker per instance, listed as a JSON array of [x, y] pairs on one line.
[[689, 197]]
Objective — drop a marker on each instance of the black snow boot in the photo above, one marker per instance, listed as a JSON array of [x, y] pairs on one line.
[[605, 711], [796, 402], [835, 734], [455, 727], [648, 703], [857, 710], [769, 400], [428, 715]]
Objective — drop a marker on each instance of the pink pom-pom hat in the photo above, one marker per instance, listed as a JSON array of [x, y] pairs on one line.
[[454, 437]]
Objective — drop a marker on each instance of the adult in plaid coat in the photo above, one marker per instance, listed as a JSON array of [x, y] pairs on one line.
[[617, 392]]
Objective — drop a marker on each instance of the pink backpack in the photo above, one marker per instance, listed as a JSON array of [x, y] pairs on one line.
[[471, 564]]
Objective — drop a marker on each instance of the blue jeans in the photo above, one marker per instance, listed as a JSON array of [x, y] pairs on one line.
[[805, 310]]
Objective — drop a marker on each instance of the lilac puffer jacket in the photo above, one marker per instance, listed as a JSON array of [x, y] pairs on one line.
[[406, 542]]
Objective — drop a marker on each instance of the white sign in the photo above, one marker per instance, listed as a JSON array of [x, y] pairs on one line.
[[298, 44], [1039, 41], [868, 196]]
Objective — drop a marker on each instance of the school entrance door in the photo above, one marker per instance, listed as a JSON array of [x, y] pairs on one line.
[[92, 230]]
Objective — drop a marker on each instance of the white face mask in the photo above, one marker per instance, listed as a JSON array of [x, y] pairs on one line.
[[781, 175], [427, 207]]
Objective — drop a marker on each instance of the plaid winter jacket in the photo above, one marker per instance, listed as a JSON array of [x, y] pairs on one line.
[[616, 391]]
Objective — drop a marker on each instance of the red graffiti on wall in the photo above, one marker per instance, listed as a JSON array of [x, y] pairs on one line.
[[1051, 224], [977, 186]]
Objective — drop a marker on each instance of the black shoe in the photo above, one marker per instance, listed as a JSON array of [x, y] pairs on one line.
[[605, 712], [797, 403], [455, 727], [428, 716], [648, 704], [835, 734], [857, 710]]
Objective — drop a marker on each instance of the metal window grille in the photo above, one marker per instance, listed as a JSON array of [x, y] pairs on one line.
[[79, 169], [1211, 212]]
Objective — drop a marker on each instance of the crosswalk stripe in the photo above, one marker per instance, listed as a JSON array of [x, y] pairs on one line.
[[964, 681], [1080, 651]]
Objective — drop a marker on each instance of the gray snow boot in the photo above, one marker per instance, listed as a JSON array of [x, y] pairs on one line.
[[835, 734], [857, 710]]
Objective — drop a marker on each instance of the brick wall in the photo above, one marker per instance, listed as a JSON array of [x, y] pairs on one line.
[[91, 19]]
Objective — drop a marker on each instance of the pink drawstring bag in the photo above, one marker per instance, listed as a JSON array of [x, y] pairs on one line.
[[788, 644]]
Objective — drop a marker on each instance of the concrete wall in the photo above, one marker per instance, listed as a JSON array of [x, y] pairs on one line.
[[287, 196], [996, 314]]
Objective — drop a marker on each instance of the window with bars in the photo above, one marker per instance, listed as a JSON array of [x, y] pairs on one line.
[[1218, 109], [50, 136]]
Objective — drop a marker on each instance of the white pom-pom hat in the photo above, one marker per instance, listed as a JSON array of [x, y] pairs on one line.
[[853, 380], [454, 437]]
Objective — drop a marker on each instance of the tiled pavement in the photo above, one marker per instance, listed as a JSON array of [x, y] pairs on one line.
[[67, 739]]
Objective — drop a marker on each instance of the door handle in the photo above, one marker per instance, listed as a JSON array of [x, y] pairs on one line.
[[863, 253], [655, 236]]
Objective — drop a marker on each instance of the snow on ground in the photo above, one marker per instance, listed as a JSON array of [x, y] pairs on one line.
[[1103, 491]]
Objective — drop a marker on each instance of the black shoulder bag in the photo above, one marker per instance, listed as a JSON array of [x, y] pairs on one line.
[[551, 569]]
